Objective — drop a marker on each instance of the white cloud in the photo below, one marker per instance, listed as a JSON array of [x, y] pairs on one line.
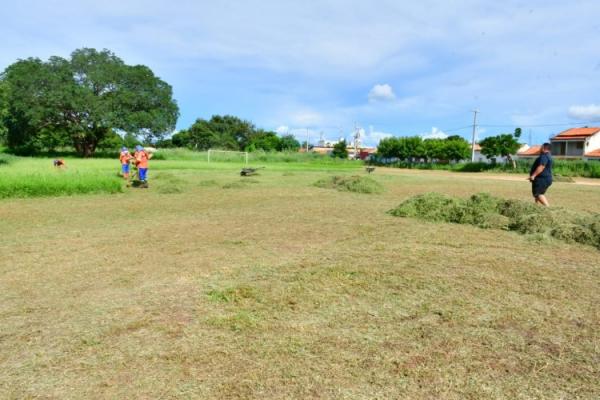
[[587, 113], [382, 92], [282, 130], [373, 137], [434, 134]]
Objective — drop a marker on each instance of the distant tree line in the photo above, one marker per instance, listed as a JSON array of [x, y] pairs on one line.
[[229, 133], [417, 149]]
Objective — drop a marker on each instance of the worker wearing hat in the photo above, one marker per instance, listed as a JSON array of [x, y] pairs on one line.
[[125, 156], [141, 160]]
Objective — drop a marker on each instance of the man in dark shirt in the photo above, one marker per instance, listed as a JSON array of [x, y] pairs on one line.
[[541, 175]]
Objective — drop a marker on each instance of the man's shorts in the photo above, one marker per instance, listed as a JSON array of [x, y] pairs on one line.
[[539, 186], [125, 168]]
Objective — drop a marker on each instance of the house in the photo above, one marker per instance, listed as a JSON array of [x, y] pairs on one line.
[[366, 152], [593, 155], [500, 160], [527, 153], [576, 143]]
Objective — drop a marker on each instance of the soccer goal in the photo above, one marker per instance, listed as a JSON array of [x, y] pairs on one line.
[[213, 155]]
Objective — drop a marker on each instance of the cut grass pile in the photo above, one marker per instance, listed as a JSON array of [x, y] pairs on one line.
[[168, 183], [356, 184], [488, 212]]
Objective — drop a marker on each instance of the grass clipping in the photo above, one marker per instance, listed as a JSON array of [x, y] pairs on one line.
[[488, 212], [356, 184]]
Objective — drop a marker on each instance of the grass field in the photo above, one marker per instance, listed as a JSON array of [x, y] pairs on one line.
[[207, 286]]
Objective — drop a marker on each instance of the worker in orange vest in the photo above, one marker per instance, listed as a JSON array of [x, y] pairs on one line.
[[141, 161], [125, 157]]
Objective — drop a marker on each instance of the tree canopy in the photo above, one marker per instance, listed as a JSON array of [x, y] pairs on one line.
[[231, 133], [411, 149], [504, 145], [340, 150], [83, 100], [3, 111]]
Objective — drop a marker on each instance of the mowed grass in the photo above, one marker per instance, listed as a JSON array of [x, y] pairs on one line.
[[273, 288]]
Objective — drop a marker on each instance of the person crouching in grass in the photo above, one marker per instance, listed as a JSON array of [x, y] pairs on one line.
[[141, 161], [541, 175], [125, 157]]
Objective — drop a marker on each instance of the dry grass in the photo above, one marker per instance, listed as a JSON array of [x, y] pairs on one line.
[[278, 289]]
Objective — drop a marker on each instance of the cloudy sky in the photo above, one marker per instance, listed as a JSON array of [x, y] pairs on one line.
[[390, 67]]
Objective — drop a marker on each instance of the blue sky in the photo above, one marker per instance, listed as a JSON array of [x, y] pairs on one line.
[[391, 67]]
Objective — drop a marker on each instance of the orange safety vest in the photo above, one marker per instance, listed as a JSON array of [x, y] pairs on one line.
[[125, 157], [141, 159]]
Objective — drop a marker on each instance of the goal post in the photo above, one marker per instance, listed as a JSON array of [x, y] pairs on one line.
[[212, 152]]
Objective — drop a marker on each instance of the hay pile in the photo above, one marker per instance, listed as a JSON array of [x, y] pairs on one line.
[[356, 184], [488, 212]]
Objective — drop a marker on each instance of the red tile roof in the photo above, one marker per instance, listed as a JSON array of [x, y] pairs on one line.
[[593, 153], [577, 133], [531, 151]]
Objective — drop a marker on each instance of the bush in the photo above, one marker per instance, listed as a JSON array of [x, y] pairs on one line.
[[356, 184]]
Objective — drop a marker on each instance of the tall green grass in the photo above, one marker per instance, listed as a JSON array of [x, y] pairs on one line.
[[33, 177]]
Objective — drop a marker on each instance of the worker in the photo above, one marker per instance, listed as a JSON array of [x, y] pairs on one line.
[[141, 161], [125, 156]]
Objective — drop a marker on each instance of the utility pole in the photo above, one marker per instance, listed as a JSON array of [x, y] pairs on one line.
[[307, 139], [474, 132]]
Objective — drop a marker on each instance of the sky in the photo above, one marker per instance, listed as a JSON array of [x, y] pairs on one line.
[[313, 68]]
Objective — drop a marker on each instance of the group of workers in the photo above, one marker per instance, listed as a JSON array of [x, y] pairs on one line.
[[140, 159]]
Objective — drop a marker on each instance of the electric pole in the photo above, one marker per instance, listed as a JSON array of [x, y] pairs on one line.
[[307, 139], [474, 132]]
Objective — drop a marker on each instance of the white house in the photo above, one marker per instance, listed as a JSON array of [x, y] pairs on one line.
[[500, 160], [576, 143]]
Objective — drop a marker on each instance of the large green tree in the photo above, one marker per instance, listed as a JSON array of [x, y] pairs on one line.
[[222, 132], [264, 140], [3, 111], [504, 145], [288, 143], [82, 100]]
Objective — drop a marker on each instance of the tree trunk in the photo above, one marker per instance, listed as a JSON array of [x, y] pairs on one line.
[[85, 146], [512, 161]]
